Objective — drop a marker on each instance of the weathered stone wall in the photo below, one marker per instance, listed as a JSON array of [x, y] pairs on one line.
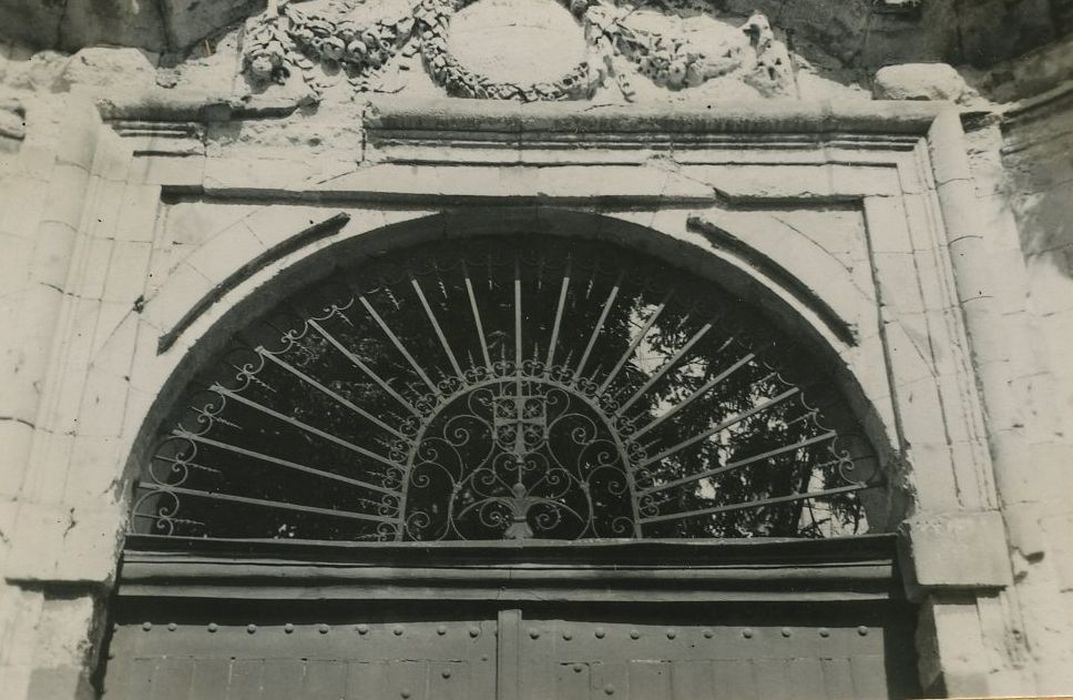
[[131, 186]]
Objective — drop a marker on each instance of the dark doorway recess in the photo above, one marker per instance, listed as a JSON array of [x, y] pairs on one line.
[[629, 619]]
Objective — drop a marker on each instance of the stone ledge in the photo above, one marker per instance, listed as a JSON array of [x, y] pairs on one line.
[[767, 116], [951, 551]]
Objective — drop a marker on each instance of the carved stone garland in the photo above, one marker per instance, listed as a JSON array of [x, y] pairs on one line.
[[284, 38]]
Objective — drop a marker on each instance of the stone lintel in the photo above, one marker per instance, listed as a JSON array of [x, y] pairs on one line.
[[951, 551]]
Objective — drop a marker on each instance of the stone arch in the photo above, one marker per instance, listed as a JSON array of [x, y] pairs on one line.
[[256, 286]]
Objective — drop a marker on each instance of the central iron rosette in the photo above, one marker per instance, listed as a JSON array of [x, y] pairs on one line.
[[520, 456]]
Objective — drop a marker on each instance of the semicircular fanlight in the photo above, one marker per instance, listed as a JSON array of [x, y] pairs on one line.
[[508, 388]]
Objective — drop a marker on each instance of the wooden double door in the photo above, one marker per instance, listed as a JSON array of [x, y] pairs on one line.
[[172, 649]]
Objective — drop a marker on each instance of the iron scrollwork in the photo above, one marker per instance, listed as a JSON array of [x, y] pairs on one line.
[[510, 392]]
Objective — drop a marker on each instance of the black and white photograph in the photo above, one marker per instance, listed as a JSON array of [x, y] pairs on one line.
[[536, 349]]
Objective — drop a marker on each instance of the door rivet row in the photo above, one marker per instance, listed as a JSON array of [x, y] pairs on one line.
[[824, 632], [568, 635], [474, 631], [147, 626], [441, 630], [251, 628], [634, 634], [672, 633], [747, 633], [397, 630], [534, 633], [288, 628], [172, 626], [323, 628], [446, 673], [213, 627], [362, 628], [609, 689], [600, 632], [786, 631], [862, 630]]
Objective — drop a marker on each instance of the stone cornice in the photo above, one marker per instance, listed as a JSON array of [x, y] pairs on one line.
[[495, 121]]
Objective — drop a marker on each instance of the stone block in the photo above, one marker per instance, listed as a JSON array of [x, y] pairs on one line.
[[14, 264], [25, 359], [36, 542], [226, 254], [920, 81], [64, 382], [52, 254], [105, 67], [886, 219], [965, 550], [96, 470], [103, 403], [138, 215], [276, 223], [66, 195], [864, 181], [193, 223], [20, 611], [49, 683], [36, 161], [127, 272], [896, 274], [96, 257], [16, 436], [250, 174], [63, 629], [113, 158], [114, 338], [952, 647], [90, 545], [184, 288], [30, 196], [179, 171]]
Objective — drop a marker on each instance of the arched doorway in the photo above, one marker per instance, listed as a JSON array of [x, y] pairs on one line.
[[512, 467]]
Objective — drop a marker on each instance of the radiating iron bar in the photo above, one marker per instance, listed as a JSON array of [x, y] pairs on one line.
[[436, 327], [398, 344], [760, 503], [328, 392], [477, 317], [633, 344], [730, 466], [277, 504], [733, 420], [304, 426], [282, 462], [517, 316], [364, 368], [708, 386], [563, 290], [599, 327], [666, 367]]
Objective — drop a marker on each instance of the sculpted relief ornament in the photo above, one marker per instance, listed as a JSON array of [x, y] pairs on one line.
[[675, 45]]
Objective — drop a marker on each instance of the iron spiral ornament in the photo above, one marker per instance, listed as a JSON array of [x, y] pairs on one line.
[[513, 388]]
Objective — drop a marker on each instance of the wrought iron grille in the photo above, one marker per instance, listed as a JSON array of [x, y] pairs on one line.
[[509, 388]]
